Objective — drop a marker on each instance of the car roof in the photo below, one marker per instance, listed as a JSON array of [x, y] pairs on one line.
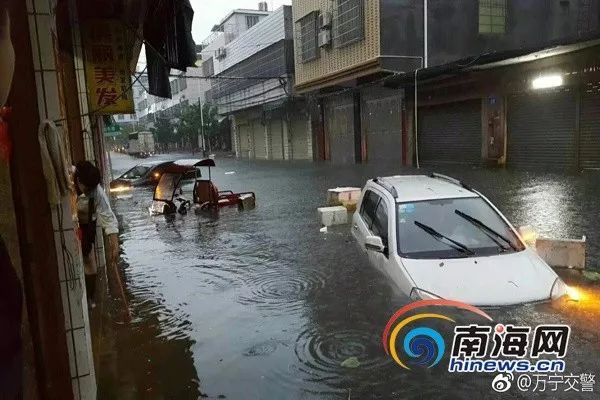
[[422, 187], [152, 163]]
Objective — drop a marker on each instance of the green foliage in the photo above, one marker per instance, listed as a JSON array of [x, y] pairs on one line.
[[163, 131], [190, 125]]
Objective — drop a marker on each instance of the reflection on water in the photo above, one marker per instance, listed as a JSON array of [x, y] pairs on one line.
[[259, 304]]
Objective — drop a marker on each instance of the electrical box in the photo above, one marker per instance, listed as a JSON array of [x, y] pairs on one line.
[[324, 38]]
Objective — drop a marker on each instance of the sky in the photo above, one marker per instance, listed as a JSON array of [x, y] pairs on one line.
[[208, 13]]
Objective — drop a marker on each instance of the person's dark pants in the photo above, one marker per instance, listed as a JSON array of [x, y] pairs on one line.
[[90, 286]]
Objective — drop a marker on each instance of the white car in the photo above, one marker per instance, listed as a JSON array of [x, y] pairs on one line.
[[437, 238]]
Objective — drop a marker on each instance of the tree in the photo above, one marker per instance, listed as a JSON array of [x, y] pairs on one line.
[[190, 125], [163, 131]]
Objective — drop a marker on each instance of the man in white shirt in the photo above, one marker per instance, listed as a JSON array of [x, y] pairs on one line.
[[93, 208]]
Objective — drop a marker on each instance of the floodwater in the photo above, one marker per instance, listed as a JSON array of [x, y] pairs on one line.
[[259, 304]]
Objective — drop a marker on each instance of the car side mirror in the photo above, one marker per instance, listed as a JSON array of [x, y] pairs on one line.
[[374, 243], [528, 234]]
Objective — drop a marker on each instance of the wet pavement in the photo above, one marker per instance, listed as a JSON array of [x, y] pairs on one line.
[[258, 304]]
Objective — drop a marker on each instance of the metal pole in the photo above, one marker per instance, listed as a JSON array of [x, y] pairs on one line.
[[425, 32], [416, 123], [202, 127]]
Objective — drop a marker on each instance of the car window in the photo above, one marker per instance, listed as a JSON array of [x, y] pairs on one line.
[[380, 222], [136, 172], [367, 209], [442, 216]]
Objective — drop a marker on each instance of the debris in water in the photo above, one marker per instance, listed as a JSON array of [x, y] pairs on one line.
[[229, 172], [351, 362], [591, 275], [323, 229]]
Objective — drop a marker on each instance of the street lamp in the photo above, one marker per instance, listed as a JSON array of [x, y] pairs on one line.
[[547, 81]]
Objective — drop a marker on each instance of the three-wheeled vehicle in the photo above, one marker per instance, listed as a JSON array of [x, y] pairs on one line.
[[168, 195]]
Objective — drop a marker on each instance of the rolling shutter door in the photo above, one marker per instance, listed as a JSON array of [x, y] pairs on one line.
[[275, 132], [451, 133], [589, 145], [541, 130], [382, 124], [339, 119], [244, 138], [299, 139], [260, 143]]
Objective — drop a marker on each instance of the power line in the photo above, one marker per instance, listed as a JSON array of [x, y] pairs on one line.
[[223, 77]]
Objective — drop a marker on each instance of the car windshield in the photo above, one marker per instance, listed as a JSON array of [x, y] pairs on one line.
[[136, 172], [449, 228]]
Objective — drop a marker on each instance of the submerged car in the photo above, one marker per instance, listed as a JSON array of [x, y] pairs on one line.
[[145, 174], [437, 238]]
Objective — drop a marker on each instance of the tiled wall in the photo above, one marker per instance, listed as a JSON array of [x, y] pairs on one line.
[[88, 142], [336, 59], [77, 327]]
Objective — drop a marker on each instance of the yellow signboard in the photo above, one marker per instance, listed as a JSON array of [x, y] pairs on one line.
[[107, 67]]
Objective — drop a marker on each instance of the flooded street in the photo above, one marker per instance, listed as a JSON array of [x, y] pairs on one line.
[[258, 304]]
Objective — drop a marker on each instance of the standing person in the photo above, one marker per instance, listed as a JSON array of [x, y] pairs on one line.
[[93, 208]]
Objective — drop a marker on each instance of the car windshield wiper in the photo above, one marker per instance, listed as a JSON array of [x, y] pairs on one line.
[[487, 230], [445, 239]]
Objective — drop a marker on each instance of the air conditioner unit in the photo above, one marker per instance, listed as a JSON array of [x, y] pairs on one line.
[[324, 38], [325, 20]]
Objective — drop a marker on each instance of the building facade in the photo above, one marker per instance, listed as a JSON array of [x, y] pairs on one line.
[[348, 50], [253, 85]]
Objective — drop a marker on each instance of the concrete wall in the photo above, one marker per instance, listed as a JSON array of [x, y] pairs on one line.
[[454, 26]]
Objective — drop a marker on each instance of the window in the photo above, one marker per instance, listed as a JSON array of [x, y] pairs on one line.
[[136, 172], [380, 222], [442, 216], [348, 24], [308, 32], [208, 67], [368, 207], [251, 20], [492, 16]]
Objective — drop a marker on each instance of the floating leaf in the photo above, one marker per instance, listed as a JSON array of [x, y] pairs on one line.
[[351, 362]]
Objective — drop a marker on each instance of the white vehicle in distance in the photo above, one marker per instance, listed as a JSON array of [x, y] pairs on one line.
[[436, 238]]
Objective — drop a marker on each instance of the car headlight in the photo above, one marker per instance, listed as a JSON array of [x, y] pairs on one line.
[[120, 189], [559, 289], [420, 294]]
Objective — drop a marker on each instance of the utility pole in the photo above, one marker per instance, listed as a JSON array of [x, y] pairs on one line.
[[425, 50], [202, 127]]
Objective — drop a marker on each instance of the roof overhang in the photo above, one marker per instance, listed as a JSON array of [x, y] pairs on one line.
[[493, 60]]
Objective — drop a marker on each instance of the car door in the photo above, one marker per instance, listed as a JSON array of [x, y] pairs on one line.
[[379, 227], [363, 218]]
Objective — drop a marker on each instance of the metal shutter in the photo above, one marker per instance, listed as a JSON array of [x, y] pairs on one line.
[[299, 138], [541, 130], [339, 119], [450, 133], [260, 143], [382, 124], [276, 132], [244, 138], [589, 145]]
